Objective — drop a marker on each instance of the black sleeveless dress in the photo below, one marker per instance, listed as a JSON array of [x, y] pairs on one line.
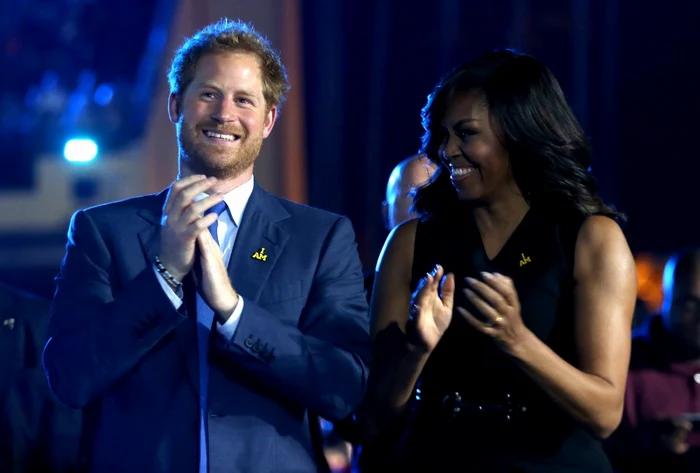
[[475, 410]]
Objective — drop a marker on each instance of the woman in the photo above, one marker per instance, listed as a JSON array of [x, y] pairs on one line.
[[503, 314]]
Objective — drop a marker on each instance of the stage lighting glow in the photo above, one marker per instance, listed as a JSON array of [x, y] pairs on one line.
[[80, 150], [104, 94]]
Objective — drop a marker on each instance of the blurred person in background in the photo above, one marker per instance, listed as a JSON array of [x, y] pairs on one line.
[[409, 175], [660, 430], [406, 177], [37, 433]]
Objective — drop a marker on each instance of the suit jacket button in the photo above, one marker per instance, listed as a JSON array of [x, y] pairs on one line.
[[248, 342]]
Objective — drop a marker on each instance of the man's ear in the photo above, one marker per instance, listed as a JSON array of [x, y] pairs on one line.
[[270, 120], [385, 215], [174, 107]]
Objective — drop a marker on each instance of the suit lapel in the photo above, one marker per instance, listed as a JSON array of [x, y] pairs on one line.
[[185, 333], [149, 236], [259, 244]]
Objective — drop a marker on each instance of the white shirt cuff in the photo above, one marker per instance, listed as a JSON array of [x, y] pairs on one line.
[[177, 302], [228, 329]]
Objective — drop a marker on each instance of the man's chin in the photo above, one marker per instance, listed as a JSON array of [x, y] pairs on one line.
[[216, 169]]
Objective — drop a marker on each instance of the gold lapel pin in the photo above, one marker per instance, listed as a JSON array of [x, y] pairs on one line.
[[260, 255], [525, 259]]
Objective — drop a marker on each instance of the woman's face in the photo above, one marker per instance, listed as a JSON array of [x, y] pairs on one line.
[[479, 166]]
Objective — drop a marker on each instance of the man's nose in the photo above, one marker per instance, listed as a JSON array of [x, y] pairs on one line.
[[225, 112]]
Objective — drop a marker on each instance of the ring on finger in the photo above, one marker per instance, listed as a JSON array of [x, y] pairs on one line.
[[495, 322]]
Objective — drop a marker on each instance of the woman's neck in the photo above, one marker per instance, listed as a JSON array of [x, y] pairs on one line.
[[500, 216]]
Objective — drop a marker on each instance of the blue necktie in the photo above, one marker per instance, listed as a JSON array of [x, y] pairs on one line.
[[218, 209], [205, 320]]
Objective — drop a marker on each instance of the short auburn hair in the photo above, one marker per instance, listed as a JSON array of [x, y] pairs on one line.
[[230, 36]]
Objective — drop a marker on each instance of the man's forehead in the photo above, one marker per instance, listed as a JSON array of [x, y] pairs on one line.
[[230, 71]]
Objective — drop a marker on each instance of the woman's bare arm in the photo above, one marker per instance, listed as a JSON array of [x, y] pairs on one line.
[[604, 298]]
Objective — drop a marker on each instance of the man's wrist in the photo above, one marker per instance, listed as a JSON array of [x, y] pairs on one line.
[[173, 279], [228, 308]]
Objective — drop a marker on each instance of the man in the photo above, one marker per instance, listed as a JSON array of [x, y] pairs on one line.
[[660, 430], [37, 433], [410, 174], [192, 353]]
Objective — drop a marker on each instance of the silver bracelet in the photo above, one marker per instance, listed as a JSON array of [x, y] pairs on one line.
[[166, 274]]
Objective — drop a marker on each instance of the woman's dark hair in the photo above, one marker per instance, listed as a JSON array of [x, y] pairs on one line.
[[549, 153]]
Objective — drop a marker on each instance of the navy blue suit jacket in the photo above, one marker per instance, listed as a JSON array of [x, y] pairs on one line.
[[118, 347]]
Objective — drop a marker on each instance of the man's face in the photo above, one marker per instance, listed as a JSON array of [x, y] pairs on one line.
[[221, 117], [399, 196], [683, 317]]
